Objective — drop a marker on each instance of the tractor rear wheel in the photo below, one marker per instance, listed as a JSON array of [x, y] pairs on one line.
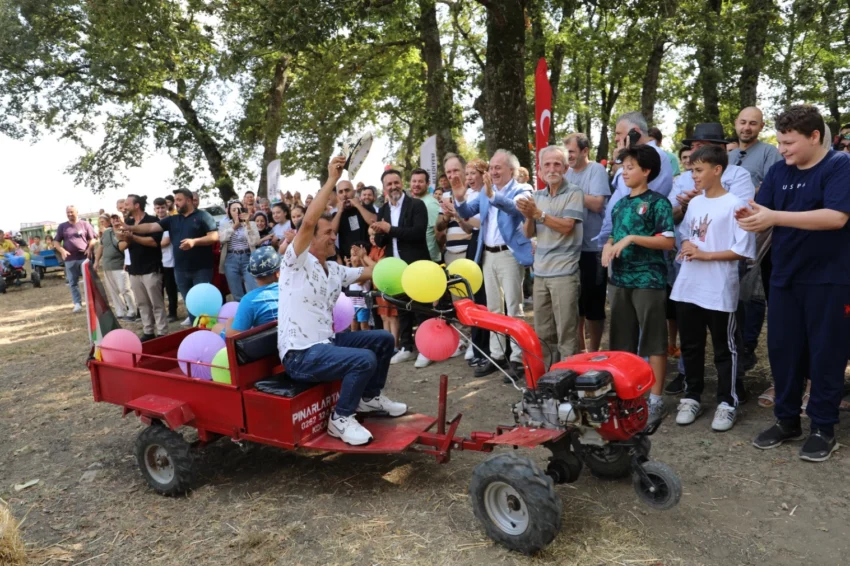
[[36, 278], [2, 286], [515, 503], [165, 459]]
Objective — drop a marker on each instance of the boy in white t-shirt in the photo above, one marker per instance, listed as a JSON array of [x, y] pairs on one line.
[[706, 288]]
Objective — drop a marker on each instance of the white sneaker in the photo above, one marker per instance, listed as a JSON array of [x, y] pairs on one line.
[[78, 307], [381, 404], [348, 430], [724, 418], [470, 353], [422, 362], [459, 350], [403, 355], [688, 411], [187, 322]]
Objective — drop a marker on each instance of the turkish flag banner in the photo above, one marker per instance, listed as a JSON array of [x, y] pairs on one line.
[[542, 114]]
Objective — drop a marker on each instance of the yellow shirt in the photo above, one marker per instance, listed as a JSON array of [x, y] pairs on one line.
[[8, 246]]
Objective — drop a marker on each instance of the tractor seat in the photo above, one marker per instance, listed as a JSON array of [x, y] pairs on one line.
[[256, 347], [281, 386]]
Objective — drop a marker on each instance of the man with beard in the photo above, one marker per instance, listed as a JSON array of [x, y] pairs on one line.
[[351, 222], [368, 195], [419, 180], [555, 215], [753, 155], [401, 227]]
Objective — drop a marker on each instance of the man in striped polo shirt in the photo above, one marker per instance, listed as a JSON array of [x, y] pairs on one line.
[[555, 215]]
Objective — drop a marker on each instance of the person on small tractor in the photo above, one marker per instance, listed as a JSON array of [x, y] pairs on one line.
[[309, 349], [6, 245], [259, 306]]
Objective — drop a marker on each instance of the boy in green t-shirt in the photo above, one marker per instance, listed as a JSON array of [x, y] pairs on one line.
[[642, 231]]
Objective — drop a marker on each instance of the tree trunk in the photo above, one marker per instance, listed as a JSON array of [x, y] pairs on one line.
[[438, 96], [208, 144], [609, 99], [759, 13], [706, 57], [505, 116], [556, 69], [649, 91], [273, 122]]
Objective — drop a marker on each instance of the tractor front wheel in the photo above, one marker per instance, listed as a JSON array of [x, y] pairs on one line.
[[165, 459], [36, 278], [516, 503]]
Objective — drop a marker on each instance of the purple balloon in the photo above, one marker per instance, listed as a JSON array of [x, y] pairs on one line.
[[343, 313], [227, 311], [200, 346]]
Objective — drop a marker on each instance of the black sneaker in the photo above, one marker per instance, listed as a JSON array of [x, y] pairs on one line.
[[146, 337], [172, 318], [818, 447], [676, 386], [488, 368], [780, 432]]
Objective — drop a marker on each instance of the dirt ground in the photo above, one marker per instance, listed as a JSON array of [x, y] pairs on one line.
[[258, 505]]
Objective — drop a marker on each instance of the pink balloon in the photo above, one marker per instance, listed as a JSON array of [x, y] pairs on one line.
[[200, 346], [343, 313], [118, 347], [227, 311], [436, 340]]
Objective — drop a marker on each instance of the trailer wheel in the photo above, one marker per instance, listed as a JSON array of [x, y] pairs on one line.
[[2, 286], [516, 503], [36, 278], [664, 488], [165, 460]]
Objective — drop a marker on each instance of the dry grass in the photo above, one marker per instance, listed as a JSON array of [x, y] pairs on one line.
[[12, 551]]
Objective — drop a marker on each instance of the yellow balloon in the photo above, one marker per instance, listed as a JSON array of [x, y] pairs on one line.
[[470, 271], [424, 281]]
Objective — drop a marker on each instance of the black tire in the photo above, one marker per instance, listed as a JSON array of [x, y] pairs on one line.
[[515, 502], [36, 278], [3, 286], [165, 460], [668, 486], [608, 462]]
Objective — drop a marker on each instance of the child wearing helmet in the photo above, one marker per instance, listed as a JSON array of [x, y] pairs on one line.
[[259, 306]]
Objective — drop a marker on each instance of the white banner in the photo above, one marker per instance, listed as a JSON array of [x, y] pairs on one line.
[[273, 180], [428, 159]]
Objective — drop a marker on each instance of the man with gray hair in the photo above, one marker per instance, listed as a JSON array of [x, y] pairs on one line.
[[631, 129], [555, 215], [503, 246], [592, 179]]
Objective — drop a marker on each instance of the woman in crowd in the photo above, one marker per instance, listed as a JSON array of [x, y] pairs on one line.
[[238, 237], [266, 234]]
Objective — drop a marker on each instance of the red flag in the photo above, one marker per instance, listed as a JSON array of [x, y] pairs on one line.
[[542, 113]]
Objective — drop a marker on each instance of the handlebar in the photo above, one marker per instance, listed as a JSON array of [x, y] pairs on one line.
[[411, 305]]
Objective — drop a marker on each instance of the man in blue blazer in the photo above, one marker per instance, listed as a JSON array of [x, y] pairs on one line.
[[502, 245]]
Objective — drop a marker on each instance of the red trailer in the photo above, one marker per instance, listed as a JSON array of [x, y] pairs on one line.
[[588, 410]]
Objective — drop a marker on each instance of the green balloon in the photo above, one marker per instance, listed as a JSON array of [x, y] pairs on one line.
[[387, 275], [221, 375]]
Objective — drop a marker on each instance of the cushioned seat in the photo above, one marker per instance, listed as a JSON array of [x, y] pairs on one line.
[[257, 347], [282, 386]]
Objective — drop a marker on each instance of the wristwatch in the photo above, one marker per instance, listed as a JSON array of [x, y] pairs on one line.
[[542, 217]]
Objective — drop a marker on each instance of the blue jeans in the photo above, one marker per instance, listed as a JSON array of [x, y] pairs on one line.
[[360, 359], [236, 271], [73, 272], [188, 279]]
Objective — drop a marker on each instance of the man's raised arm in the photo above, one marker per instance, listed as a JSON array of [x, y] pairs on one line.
[[317, 207]]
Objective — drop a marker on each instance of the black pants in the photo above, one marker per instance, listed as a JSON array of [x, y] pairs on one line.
[[170, 288], [693, 322]]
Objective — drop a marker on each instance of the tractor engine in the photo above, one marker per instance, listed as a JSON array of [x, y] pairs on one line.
[[601, 390]]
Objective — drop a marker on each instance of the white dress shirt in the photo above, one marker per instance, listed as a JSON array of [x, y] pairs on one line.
[[395, 216]]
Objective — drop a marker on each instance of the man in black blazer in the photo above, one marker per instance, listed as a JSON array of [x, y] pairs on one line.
[[402, 222], [401, 227]]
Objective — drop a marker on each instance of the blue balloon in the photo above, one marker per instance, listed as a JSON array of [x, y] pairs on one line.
[[203, 298]]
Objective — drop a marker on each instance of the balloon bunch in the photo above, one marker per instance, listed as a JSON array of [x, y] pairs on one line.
[[426, 282], [203, 301]]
